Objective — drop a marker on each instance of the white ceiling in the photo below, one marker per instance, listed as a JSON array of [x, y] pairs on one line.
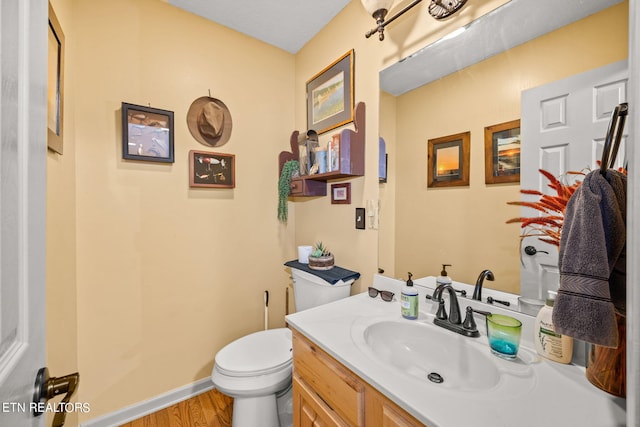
[[287, 24]]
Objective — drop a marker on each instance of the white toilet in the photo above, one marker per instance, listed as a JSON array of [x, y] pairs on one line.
[[256, 369]]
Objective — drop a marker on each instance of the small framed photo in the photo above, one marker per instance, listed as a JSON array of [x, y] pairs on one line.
[[55, 84], [383, 160], [360, 218], [448, 160], [341, 194], [147, 133], [212, 170], [330, 95], [502, 153]]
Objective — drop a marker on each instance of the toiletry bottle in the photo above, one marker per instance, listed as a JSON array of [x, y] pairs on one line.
[[409, 300], [548, 342], [443, 279]]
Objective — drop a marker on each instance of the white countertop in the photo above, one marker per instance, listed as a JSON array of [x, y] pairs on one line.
[[554, 395]]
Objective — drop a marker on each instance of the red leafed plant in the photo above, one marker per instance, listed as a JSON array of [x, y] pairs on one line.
[[548, 226]]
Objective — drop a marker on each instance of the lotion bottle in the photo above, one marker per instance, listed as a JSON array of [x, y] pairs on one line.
[[409, 300], [548, 342], [443, 279]]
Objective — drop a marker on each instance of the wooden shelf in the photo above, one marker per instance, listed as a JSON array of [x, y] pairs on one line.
[[351, 159], [301, 187]]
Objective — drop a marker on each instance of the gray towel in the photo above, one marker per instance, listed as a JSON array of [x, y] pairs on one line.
[[592, 260]]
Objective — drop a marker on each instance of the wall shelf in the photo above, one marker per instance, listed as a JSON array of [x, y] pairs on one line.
[[351, 159]]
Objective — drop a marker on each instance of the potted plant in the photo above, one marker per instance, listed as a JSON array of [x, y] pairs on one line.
[[548, 226], [320, 258]]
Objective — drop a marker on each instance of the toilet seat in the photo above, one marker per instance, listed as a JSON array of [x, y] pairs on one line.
[[259, 353]]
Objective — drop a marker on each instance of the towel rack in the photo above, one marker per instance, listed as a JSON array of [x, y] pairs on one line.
[[614, 135]]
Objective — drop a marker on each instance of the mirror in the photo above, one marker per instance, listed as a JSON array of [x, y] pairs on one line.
[[464, 83]]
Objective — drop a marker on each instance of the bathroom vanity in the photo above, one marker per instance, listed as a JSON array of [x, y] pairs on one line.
[[327, 393], [357, 362]]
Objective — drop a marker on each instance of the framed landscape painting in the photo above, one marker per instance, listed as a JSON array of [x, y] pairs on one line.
[[448, 160], [330, 95], [502, 153]]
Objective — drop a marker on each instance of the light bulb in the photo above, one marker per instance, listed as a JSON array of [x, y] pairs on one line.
[[372, 6]]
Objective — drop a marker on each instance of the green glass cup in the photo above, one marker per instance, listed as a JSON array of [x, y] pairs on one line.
[[504, 333]]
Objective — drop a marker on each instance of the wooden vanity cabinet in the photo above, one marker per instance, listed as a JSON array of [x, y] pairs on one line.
[[326, 393]]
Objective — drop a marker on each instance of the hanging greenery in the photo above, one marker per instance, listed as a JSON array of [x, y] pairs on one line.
[[284, 186]]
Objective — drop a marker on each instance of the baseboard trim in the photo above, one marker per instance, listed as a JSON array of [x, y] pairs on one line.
[[150, 406]]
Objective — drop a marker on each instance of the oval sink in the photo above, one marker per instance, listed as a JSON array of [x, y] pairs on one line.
[[420, 351], [432, 355]]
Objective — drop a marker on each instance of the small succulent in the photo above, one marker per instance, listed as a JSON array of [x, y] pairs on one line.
[[320, 250]]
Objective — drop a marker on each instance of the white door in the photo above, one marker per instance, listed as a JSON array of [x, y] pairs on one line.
[[23, 149], [563, 128]]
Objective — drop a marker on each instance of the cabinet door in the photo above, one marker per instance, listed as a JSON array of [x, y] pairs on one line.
[[382, 412], [309, 410], [392, 417], [332, 382]]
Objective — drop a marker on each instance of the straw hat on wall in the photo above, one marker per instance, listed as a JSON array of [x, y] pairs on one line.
[[209, 121]]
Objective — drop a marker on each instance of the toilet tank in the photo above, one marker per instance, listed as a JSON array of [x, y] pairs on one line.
[[311, 291]]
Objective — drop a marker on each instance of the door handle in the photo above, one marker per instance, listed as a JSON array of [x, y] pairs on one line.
[[47, 387], [531, 250]]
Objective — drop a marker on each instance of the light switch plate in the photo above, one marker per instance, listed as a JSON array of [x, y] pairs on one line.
[[360, 218]]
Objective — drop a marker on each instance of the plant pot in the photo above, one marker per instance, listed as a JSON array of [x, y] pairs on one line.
[[607, 367], [324, 262]]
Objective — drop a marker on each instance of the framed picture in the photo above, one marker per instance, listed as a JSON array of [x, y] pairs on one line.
[[341, 194], [330, 95], [383, 160], [147, 133], [360, 218], [212, 170], [55, 84], [502, 153], [448, 160]]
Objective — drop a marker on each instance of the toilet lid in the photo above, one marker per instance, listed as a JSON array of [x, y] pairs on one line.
[[257, 353]]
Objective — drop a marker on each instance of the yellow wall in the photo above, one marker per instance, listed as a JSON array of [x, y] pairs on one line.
[[465, 226], [167, 275], [61, 315], [387, 232]]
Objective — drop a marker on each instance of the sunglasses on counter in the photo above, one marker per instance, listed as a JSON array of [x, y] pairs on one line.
[[385, 295]]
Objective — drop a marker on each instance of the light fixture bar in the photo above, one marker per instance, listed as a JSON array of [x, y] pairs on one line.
[[380, 14]]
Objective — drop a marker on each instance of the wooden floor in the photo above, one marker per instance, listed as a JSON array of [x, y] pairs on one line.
[[209, 409]]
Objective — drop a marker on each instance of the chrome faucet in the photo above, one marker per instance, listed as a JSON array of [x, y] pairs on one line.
[[453, 321], [477, 291]]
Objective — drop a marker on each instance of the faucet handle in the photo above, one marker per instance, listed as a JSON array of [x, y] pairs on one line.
[[491, 300], [442, 312], [469, 322]]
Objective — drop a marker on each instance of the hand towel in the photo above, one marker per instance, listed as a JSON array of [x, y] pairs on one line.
[[592, 261], [332, 276]]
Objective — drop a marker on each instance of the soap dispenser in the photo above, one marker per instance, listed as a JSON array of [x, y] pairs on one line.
[[443, 279], [409, 300], [548, 342]]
